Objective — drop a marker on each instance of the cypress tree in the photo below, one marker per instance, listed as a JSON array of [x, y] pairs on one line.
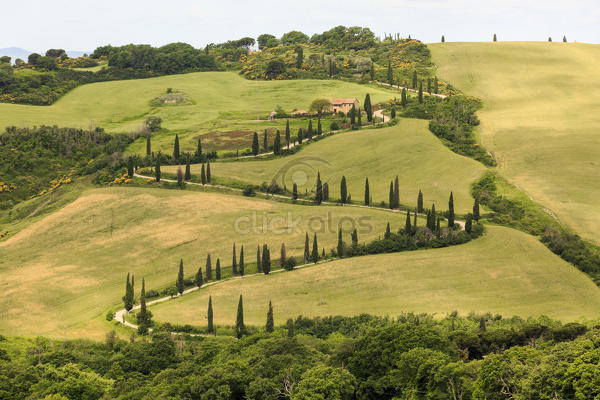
[[391, 195], [277, 144], [433, 217], [359, 117], [143, 317], [368, 107], [407, 227], [242, 261], [270, 325], [148, 146], [180, 284], [188, 172], [157, 169], [421, 92], [132, 289], [388, 232], [287, 133], [420, 202], [415, 221], [343, 191], [438, 229], [564, 39], [203, 175], [367, 195], [127, 298], [476, 210], [396, 193], [326, 191], [209, 315], [435, 85], [309, 132], [300, 136], [354, 238], [428, 222], [208, 171], [218, 269], [130, 166], [495, 38], [255, 148], [295, 192], [443, 39], [414, 80], [352, 114], [319, 193], [549, 39], [451, 211], [282, 257], [390, 73], [469, 224], [176, 148], [290, 327], [319, 127], [299, 57], [340, 245], [404, 100], [306, 248], [208, 268], [234, 261], [258, 260], [199, 148], [266, 260], [199, 279], [315, 251], [265, 144], [240, 329]]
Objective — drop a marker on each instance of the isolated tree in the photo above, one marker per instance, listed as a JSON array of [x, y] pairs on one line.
[[414, 80], [199, 279], [266, 260], [148, 145], [319, 127], [218, 269], [549, 39], [564, 39], [403, 99], [421, 92], [208, 268], [476, 210], [407, 227], [495, 38], [343, 191], [157, 169], [388, 232], [144, 316], [270, 324], [469, 224], [299, 57], [282, 257], [234, 262], [306, 248], [367, 194], [443, 39], [319, 192], [435, 85], [420, 202], [242, 261], [258, 260], [199, 148], [265, 144], [176, 148], [128, 297], [451, 211], [290, 327], [391, 195], [209, 316], [326, 191], [287, 133], [188, 172], [340, 244], [255, 148], [180, 283], [203, 175], [295, 191], [240, 329], [390, 73], [208, 178], [396, 193], [368, 107], [315, 250], [309, 131]]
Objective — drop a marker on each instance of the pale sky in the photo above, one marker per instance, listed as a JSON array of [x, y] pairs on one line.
[[37, 25]]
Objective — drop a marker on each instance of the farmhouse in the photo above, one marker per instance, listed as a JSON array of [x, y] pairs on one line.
[[343, 105]]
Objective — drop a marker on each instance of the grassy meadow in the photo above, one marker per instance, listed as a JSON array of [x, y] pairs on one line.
[[539, 119], [63, 272], [408, 150], [505, 272]]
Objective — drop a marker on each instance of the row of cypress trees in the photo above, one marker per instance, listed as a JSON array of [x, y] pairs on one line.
[[240, 327]]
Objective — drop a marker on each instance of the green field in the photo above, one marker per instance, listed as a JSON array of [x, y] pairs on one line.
[[540, 118], [505, 272], [62, 273], [221, 101], [408, 150]]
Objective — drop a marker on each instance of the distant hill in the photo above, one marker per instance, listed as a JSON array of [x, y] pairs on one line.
[[17, 52]]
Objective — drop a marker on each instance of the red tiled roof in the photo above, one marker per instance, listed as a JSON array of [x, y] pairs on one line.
[[342, 101]]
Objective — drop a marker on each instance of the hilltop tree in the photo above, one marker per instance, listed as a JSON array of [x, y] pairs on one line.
[[240, 329], [157, 169], [265, 144], [270, 324], [414, 80], [295, 191], [234, 262], [407, 227], [203, 175], [218, 269], [176, 148], [495, 38], [391, 195], [368, 107], [258, 260], [367, 195], [315, 250], [396, 193], [287, 133], [319, 127], [277, 144], [144, 317], [340, 244], [388, 232], [343, 191], [299, 57], [179, 283], [421, 92], [564, 39], [282, 257], [255, 148], [403, 98], [242, 261], [319, 193], [128, 298], [199, 148], [549, 38], [390, 73], [420, 202], [306, 248], [266, 260], [208, 268], [443, 39], [209, 316], [451, 211], [148, 145], [476, 210], [326, 191], [188, 172], [198, 278]]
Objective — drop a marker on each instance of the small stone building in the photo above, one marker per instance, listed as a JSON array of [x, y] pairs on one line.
[[343, 105]]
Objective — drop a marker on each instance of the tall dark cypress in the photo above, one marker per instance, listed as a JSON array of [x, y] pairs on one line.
[[368, 107], [343, 191], [295, 191], [266, 260], [234, 262], [180, 284], [240, 329], [203, 175], [326, 191], [199, 280], [396, 193], [319, 127], [218, 269], [354, 238], [438, 229], [277, 144], [242, 261], [199, 148], [352, 114], [306, 248], [208, 179], [451, 211], [255, 148], [359, 117], [128, 298], [435, 85], [315, 250], [300, 136], [258, 260], [407, 227], [148, 146], [495, 38], [391, 195], [367, 194], [208, 268], [404, 99], [157, 169], [287, 133], [270, 324], [282, 256], [309, 132], [443, 39], [143, 317], [209, 316], [415, 221], [265, 144], [388, 232], [319, 193], [420, 202], [433, 217], [421, 92], [176, 148], [564, 39], [476, 210], [188, 172], [469, 224], [414, 80], [340, 245]]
